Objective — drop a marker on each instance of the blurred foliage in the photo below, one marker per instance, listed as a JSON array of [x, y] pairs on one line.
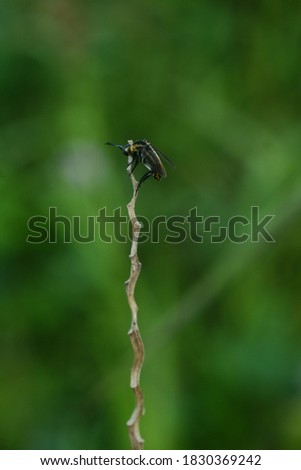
[[215, 85]]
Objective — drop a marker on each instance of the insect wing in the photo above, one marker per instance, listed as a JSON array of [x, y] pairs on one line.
[[161, 155], [152, 161]]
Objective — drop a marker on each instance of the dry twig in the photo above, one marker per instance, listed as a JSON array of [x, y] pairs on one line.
[[137, 344]]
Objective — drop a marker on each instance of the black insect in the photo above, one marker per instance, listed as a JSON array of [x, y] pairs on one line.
[[142, 151]]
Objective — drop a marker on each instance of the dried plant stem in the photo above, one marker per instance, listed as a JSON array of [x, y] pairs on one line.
[[134, 334]]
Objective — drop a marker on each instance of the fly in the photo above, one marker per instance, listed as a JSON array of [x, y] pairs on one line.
[[142, 151]]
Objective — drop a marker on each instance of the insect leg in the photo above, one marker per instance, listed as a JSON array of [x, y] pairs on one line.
[[134, 163], [144, 177]]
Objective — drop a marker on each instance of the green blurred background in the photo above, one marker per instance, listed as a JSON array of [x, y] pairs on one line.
[[216, 86]]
